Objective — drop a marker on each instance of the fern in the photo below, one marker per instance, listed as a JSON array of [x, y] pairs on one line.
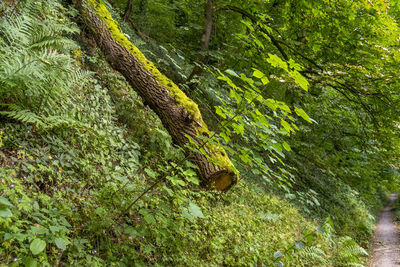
[[37, 73], [22, 115], [313, 255], [349, 252]]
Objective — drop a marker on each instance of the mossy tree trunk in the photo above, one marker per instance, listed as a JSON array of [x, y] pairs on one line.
[[178, 113]]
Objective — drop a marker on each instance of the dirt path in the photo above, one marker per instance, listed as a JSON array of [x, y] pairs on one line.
[[386, 242]]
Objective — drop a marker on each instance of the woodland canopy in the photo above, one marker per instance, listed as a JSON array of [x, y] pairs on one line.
[[196, 133]]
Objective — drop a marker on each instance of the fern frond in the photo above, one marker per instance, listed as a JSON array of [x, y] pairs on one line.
[[349, 253], [23, 115], [313, 255], [37, 72]]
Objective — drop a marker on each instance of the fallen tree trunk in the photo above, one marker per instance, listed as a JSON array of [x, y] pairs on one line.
[[178, 113]]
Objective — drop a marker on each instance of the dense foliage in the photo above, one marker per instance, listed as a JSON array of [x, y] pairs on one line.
[[303, 97]]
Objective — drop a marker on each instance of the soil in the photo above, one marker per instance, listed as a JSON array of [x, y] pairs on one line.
[[385, 249]]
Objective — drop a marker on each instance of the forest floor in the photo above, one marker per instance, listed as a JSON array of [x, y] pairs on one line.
[[385, 251]]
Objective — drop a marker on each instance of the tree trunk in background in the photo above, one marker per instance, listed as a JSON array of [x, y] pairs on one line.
[[178, 113], [128, 11], [205, 38]]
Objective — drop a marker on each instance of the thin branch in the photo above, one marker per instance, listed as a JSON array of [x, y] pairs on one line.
[[255, 20]]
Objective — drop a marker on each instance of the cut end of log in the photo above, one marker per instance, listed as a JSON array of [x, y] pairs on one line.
[[164, 96], [223, 180]]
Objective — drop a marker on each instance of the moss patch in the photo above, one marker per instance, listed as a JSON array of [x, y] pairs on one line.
[[218, 154]]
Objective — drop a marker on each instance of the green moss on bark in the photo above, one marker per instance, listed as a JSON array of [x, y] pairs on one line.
[[217, 153]]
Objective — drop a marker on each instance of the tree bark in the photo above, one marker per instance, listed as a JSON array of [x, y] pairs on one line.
[[208, 24], [178, 113], [128, 11], [205, 38]]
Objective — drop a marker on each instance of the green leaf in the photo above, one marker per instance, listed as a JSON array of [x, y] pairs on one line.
[[299, 244], [220, 111], [258, 74], [232, 72], [195, 210], [302, 114], [5, 202], [246, 79], [276, 61], [54, 229], [131, 231], [191, 176], [61, 243], [264, 80], [37, 246], [287, 126], [151, 173], [300, 80], [278, 147], [235, 95], [5, 213], [187, 215], [278, 254], [29, 262], [149, 218], [286, 146], [39, 230], [239, 128], [225, 137]]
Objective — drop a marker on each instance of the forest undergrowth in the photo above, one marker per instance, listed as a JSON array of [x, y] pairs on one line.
[[90, 177]]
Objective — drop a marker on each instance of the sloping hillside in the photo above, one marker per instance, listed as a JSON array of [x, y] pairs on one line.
[[91, 174]]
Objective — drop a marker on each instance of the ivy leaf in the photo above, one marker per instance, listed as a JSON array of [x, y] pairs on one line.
[[37, 246], [195, 210]]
